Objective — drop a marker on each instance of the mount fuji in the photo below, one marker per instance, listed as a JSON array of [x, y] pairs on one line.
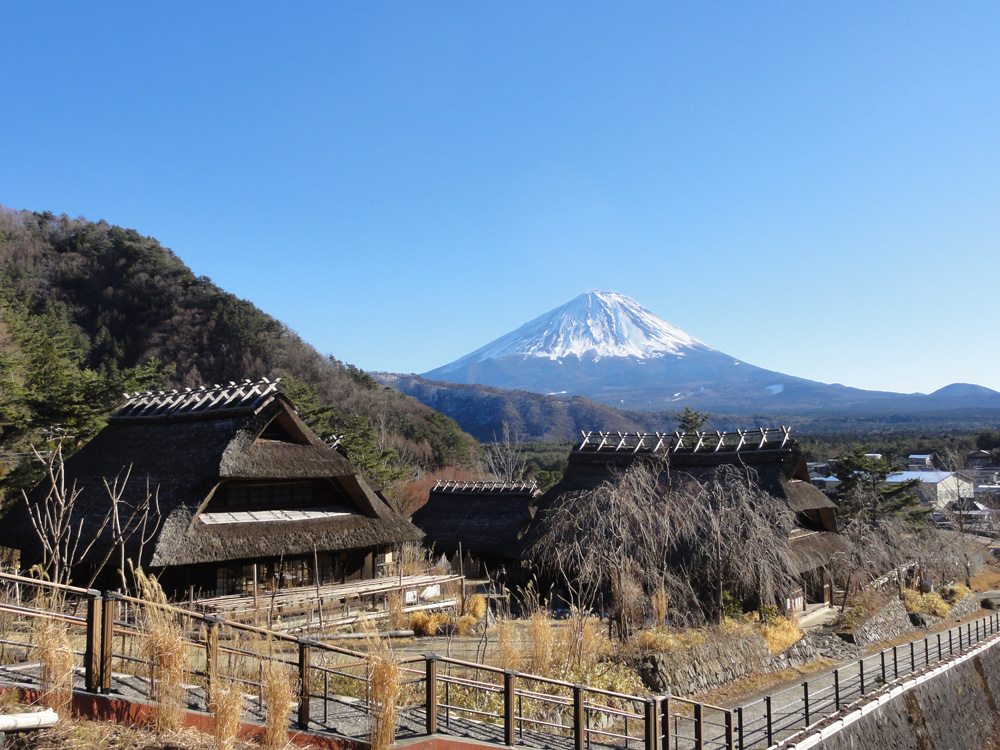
[[607, 347]]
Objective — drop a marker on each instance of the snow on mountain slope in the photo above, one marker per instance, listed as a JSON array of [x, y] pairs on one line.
[[592, 326], [608, 348]]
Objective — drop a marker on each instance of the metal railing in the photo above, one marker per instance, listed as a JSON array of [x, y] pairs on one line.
[[438, 694], [764, 722]]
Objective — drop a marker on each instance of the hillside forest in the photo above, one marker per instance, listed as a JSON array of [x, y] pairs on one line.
[[89, 311]]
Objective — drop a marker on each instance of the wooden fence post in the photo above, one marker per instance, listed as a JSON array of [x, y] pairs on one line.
[[652, 723], [509, 710], [211, 656]]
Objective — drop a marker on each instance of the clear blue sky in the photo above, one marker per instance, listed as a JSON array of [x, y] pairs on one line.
[[810, 187]]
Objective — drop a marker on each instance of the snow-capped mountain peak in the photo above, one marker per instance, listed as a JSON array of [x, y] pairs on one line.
[[591, 326]]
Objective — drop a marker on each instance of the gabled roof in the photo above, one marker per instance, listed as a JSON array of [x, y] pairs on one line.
[[184, 446]]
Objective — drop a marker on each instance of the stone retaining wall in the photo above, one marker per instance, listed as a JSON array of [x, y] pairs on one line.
[[888, 623], [964, 607], [717, 662]]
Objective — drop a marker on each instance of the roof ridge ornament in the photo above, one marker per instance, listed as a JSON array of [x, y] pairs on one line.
[[695, 441], [219, 398]]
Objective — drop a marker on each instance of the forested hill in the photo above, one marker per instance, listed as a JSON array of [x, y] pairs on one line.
[[88, 310]]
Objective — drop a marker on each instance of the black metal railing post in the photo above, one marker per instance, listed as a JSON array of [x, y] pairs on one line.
[[431, 705], [805, 701], [770, 723], [91, 657], [107, 641], [305, 664], [836, 689]]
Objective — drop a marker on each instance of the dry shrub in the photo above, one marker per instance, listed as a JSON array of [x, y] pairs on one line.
[[955, 592], [475, 605], [226, 705], [56, 655], [465, 624], [165, 653], [419, 622], [780, 633], [929, 604], [422, 623], [279, 698]]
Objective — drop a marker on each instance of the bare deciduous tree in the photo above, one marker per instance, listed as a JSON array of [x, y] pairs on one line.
[[68, 533], [645, 531], [505, 456], [742, 540]]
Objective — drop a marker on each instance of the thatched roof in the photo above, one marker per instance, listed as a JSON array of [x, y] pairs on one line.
[[769, 457], [486, 518], [184, 448]]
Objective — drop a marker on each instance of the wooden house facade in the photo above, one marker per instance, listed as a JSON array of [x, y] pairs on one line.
[[244, 495], [483, 519]]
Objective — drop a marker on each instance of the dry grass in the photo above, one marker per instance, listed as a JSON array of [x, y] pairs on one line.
[[384, 686], [279, 697], [226, 705], [658, 604], [397, 617], [987, 579], [165, 651], [541, 642], [87, 735], [507, 652], [780, 633], [669, 639], [56, 656]]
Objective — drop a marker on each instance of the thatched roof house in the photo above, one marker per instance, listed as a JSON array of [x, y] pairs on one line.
[[770, 457], [484, 519], [243, 491]]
